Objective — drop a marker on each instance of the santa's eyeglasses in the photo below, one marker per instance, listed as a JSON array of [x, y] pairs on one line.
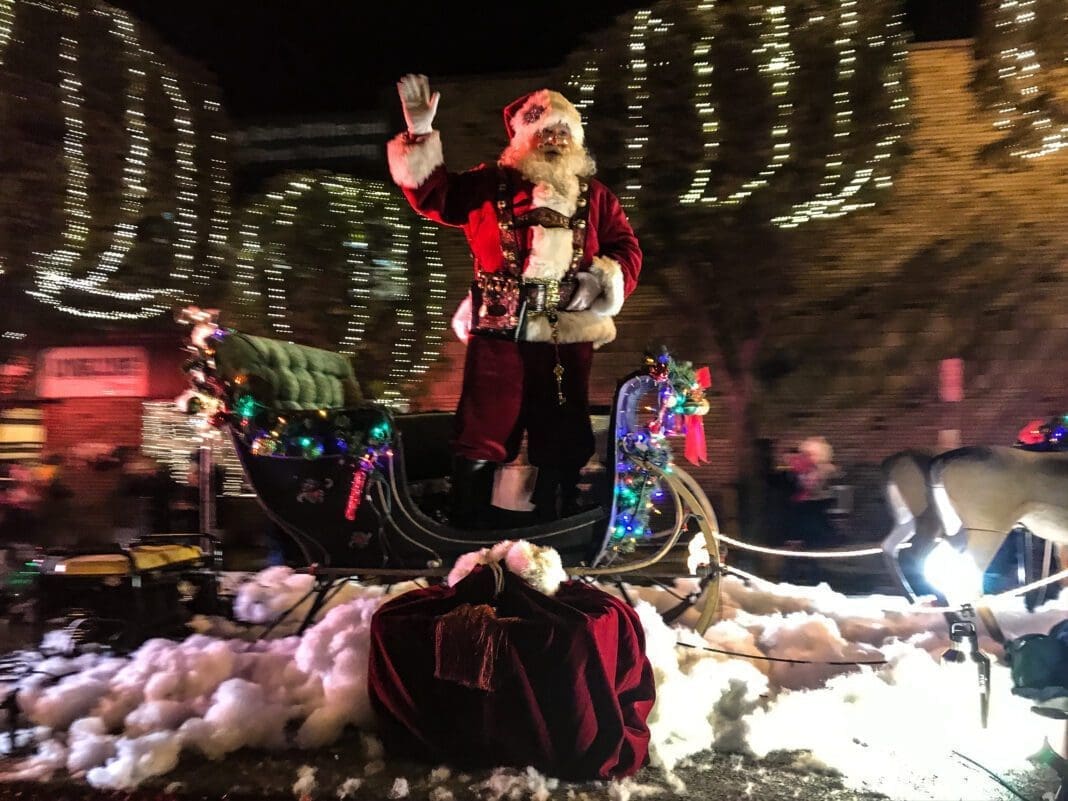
[[557, 134]]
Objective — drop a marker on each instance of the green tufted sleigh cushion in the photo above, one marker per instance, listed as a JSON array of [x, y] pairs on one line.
[[284, 376]]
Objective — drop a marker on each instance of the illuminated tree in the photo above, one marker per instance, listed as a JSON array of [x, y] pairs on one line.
[[114, 185], [728, 129], [1022, 74], [343, 264]]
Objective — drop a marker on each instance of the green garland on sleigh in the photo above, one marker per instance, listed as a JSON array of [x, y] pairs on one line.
[[646, 451]]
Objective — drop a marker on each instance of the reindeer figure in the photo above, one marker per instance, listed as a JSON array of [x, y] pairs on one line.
[[916, 522], [985, 492]]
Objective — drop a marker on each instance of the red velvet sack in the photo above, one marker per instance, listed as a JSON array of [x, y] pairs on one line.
[[492, 672]]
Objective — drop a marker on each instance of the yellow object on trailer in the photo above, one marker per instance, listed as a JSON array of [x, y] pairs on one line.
[[137, 559]]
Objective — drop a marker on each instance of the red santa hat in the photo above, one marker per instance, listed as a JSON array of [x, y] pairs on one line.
[[533, 112]]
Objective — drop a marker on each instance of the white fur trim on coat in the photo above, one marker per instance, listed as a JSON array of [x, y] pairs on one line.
[[545, 195], [550, 253], [610, 274], [539, 566], [411, 163], [583, 326]]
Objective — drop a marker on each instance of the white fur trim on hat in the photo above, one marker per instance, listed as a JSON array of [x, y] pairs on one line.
[[550, 253], [540, 567], [412, 162], [610, 275], [583, 326], [542, 109]]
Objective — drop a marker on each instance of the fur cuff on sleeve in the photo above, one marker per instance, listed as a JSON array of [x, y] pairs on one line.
[[610, 274], [412, 162], [461, 319]]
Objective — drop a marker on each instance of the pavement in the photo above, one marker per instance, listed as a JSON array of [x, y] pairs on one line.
[[261, 776]]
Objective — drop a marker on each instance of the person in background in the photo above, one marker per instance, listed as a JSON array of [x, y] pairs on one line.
[[21, 501], [812, 468], [554, 259], [55, 516]]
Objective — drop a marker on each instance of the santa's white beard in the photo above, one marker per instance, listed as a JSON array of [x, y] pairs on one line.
[[561, 173]]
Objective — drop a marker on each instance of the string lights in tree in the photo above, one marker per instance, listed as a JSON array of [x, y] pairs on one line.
[[377, 265], [837, 192], [71, 277], [1026, 107], [54, 272], [777, 66], [170, 436], [638, 96], [7, 23], [655, 38]]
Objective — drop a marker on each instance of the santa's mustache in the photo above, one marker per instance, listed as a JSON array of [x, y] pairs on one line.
[[559, 169]]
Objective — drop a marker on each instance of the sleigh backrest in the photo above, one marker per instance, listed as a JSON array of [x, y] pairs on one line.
[[284, 376]]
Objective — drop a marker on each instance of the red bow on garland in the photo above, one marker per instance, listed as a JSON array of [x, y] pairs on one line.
[[696, 449]]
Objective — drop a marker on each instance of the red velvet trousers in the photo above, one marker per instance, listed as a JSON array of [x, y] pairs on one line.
[[509, 387]]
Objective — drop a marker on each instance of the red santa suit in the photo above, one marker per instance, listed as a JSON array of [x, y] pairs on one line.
[[516, 226]]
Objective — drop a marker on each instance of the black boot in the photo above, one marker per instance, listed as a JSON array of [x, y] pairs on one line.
[[471, 493], [545, 496], [570, 494]]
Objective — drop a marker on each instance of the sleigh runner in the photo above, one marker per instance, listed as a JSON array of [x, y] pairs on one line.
[[346, 478]]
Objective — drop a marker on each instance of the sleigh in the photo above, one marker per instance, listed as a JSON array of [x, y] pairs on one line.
[[355, 484]]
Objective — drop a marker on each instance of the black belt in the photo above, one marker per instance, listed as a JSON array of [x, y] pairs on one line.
[[500, 302], [542, 296]]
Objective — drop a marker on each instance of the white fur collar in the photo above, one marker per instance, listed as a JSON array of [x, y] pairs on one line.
[[546, 196], [551, 250]]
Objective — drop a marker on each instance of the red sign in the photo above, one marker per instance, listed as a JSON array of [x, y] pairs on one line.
[[15, 375], [93, 373], [951, 380]]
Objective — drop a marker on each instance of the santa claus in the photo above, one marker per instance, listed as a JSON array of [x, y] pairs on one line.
[[554, 260]]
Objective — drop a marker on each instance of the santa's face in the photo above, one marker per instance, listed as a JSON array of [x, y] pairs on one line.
[[553, 141]]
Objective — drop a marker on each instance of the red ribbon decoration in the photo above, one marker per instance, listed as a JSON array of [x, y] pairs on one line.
[[696, 448]]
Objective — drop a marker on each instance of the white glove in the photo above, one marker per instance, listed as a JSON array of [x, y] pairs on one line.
[[419, 105], [587, 291], [461, 320]]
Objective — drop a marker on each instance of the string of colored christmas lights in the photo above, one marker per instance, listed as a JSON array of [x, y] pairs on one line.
[[359, 436], [372, 276], [69, 270], [637, 489]]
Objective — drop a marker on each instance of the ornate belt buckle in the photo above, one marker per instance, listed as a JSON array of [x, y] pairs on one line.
[[495, 306]]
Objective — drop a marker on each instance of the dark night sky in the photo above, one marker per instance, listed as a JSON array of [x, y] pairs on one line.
[[284, 57]]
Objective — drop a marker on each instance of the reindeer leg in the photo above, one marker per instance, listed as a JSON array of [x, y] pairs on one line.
[[900, 534]]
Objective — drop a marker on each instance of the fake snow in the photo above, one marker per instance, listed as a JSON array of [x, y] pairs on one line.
[[887, 726]]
